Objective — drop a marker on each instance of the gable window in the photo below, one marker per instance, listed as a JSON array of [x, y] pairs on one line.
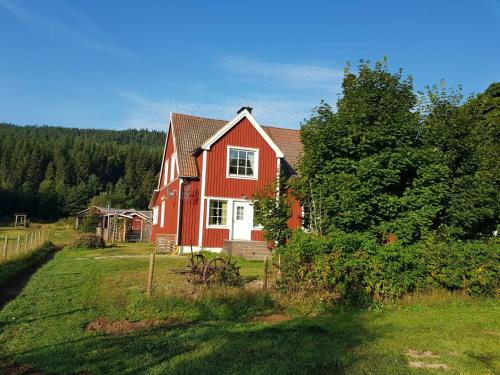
[[172, 168], [162, 214], [242, 162], [165, 173], [217, 213], [155, 215]]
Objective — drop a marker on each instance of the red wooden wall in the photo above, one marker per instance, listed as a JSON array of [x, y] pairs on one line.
[[171, 203]]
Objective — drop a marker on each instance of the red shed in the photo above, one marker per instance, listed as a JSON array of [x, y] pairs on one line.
[[210, 171]]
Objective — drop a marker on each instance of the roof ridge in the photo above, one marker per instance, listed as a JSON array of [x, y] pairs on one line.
[[215, 119], [200, 117], [279, 127]]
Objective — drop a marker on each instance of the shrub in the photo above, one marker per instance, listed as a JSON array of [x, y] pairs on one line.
[[358, 269], [89, 241], [90, 222]]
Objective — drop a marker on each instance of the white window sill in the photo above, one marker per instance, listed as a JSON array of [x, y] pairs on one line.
[[242, 177]]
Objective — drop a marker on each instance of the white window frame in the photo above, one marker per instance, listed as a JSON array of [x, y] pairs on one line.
[[172, 168], [155, 215], [256, 162], [162, 214], [228, 206], [165, 173]]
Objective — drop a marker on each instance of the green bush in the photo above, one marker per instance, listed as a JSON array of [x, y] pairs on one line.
[[89, 241], [90, 222], [358, 269]]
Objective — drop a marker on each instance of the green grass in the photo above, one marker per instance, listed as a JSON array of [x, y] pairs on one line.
[[44, 326], [10, 269]]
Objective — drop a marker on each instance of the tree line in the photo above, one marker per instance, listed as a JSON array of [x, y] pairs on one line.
[[52, 172]]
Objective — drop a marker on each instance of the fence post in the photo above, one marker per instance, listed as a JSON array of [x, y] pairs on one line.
[[31, 240], [5, 247], [26, 243], [17, 246], [265, 273], [149, 290]]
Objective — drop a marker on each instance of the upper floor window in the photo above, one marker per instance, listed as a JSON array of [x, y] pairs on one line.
[[165, 173], [242, 162]]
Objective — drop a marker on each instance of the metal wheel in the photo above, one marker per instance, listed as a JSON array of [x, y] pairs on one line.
[[214, 270], [196, 268]]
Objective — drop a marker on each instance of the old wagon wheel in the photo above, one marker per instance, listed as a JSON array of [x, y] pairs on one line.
[[214, 271], [196, 268]]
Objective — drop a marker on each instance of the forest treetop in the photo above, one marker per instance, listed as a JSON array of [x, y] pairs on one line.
[[52, 172]]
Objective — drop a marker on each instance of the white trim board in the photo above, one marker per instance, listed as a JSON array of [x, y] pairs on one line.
[[202, 200], [165, 150], [209, 142]]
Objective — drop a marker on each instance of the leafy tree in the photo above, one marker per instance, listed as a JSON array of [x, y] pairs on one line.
[[386, 162], [90, 222], [359, 162], [272, 211]]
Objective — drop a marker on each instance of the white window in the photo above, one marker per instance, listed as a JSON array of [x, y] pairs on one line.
[[240, 213], [162, 215], [165, 173], [217, 213], [242, 162], [155, 215], [172, 168]]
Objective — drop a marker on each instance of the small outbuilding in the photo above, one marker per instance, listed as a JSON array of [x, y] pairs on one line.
[[119, 224]]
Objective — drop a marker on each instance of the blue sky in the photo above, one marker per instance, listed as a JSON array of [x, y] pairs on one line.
[[120, 64]]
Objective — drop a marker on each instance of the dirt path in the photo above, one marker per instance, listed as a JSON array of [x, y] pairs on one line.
[[12, 289]]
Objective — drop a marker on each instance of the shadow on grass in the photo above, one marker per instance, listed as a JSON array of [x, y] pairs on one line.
[[320, 345], [15, 274]]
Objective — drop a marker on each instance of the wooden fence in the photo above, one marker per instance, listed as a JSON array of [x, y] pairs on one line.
[[22, 243]]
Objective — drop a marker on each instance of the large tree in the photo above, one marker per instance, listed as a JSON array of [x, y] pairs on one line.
[[385, 163]]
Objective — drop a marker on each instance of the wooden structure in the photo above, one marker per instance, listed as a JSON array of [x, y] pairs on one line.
[[165, 243], [210, 170], [21, 220], [119, 224]]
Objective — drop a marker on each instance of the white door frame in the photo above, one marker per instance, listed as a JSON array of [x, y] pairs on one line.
[[248, 217]]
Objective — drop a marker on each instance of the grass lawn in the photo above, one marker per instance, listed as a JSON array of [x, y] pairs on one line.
[[212, 331]]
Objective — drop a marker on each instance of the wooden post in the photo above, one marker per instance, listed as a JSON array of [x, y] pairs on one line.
[[17, 246], [26, 243], [5, 247], [279, 265], [149, 291], [142, 228], [31, 240], [265, 273], [15, 223]]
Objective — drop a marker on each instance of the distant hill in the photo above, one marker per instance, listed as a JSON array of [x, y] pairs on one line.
[[51, 172]]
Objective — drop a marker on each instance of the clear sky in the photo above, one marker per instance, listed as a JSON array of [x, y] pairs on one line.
[[120, 64]]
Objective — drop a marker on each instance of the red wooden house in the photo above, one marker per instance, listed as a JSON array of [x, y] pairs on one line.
[[210, 170]]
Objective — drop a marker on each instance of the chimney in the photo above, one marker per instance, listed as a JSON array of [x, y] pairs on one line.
[[249, 109]]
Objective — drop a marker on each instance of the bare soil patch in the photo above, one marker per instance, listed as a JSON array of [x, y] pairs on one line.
[[494, 333], [272, 318], [123, 326], [442, 366], [18, 369], [421, 354]]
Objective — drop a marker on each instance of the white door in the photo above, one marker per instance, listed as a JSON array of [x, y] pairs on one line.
[[242, 221]]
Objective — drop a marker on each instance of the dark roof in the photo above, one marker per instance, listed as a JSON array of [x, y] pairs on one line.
[[190, 132]]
